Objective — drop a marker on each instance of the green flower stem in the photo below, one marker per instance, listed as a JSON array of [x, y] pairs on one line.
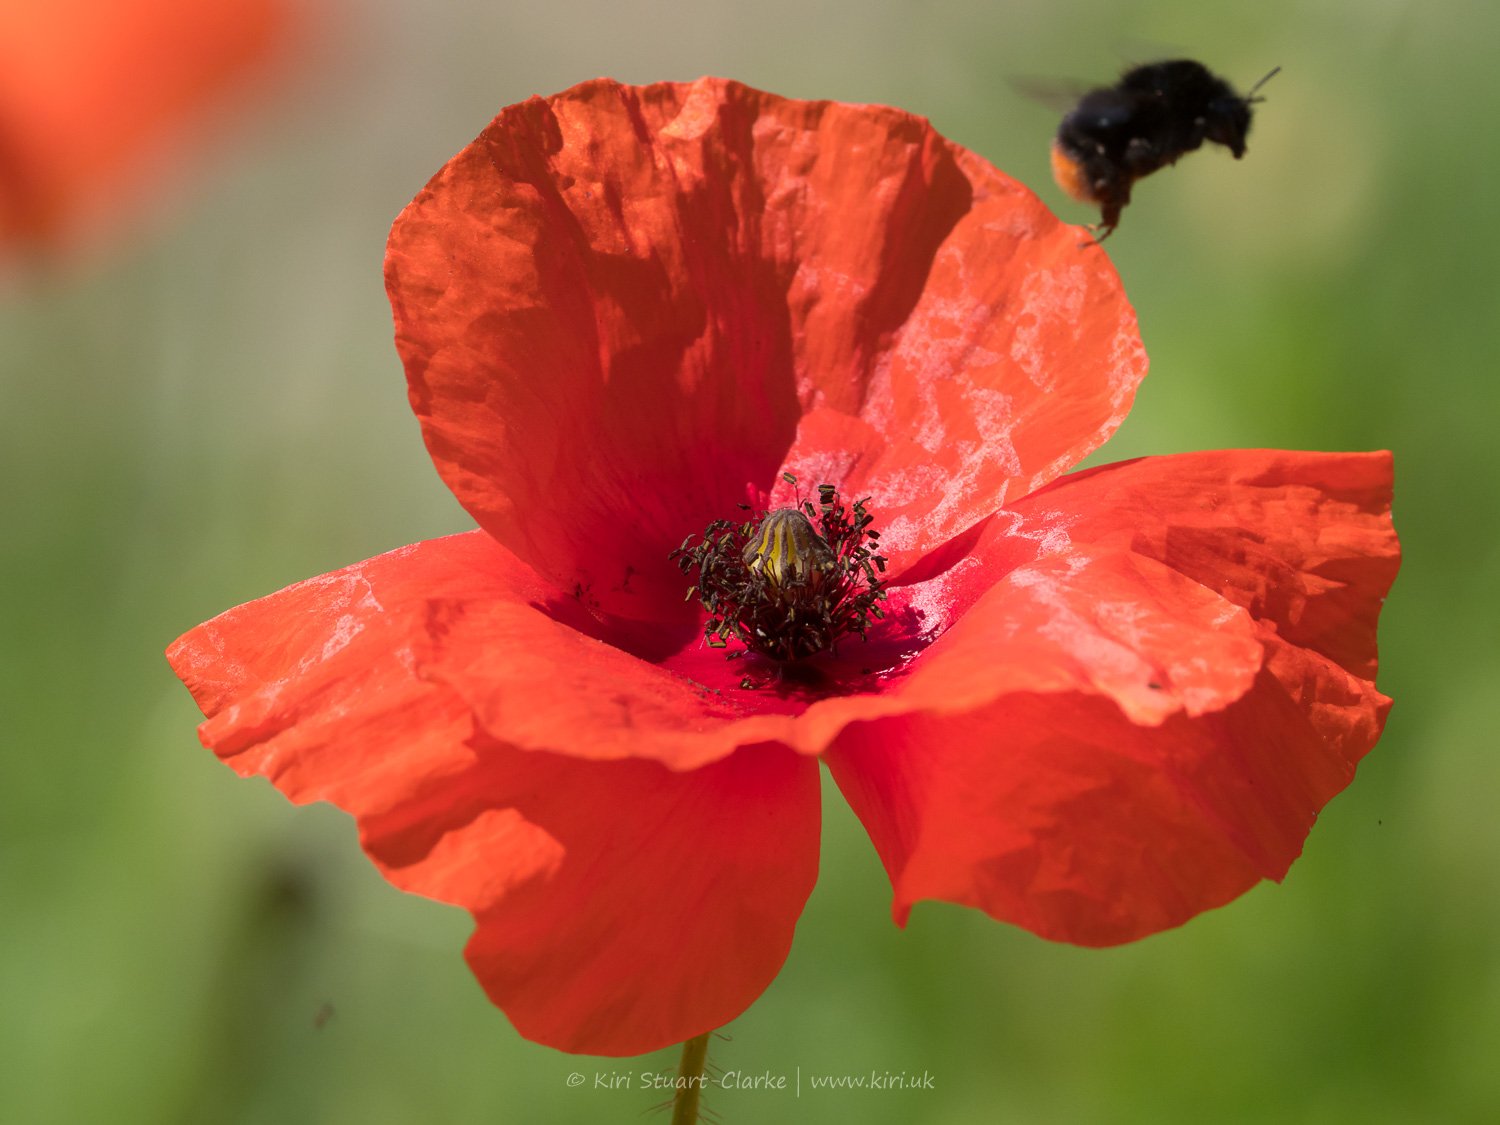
[[690, 1080]]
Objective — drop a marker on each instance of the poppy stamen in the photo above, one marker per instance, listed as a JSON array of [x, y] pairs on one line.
[[783, 587]]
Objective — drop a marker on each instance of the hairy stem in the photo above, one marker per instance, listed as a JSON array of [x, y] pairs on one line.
[[690, 1079]]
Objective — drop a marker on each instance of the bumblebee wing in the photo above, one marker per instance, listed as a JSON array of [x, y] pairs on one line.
[[1055, 93]]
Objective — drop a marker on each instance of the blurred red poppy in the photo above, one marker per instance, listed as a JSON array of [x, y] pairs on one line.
[[92, 90], [1095, 706]]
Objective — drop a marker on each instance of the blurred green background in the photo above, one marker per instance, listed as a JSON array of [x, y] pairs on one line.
[[211, 408]]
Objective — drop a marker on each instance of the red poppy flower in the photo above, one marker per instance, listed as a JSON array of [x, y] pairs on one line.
[[88, 88], [1095, 704]]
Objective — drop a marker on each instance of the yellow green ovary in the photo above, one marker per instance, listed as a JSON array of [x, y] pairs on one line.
[[792, 558]]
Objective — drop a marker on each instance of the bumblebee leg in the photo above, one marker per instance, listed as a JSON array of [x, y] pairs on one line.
[[1109, 218]]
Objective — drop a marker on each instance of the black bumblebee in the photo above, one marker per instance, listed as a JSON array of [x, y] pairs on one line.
[[1149, 119]]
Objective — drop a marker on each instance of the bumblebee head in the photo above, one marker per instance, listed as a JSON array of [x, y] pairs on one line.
[[1228, 118]]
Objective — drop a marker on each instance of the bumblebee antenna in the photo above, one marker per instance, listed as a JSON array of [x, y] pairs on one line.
[[1250, 97]]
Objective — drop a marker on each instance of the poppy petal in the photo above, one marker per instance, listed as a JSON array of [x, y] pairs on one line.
[[650, 905], [587, 879], [415, 646], [1303, 540], [314, 687], [92, 88], [1084, 819], [1118, 624], [704, 285], [533, 682], [1098, 621]]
